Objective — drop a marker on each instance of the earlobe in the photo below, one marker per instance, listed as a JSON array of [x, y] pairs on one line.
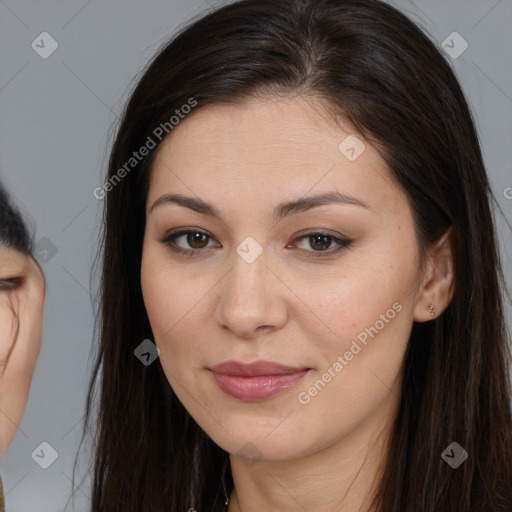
[[437, 288], [431, 310]]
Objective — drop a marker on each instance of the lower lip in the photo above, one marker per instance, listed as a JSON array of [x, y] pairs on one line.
[[259, 387]]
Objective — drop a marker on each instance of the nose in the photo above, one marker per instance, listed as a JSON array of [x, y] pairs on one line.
[[252, 299]]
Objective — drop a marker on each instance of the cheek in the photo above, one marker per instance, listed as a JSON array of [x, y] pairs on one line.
[[353, 305], [160, 291], [360, 356], [158, 299], [173, 304], [365, 316]]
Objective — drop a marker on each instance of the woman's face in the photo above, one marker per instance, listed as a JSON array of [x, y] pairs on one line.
[[328, 288], [22, 290]]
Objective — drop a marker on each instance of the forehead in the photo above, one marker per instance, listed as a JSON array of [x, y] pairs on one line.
[[11, 260], [260, 128], [272, 147]]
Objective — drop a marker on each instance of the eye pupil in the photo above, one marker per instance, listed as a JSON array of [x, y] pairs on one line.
[[322, 240], [196, 238]]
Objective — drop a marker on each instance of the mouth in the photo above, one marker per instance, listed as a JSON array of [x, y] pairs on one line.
[[256, 381]]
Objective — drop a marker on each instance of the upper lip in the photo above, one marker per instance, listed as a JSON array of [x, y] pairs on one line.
[[239, 369]]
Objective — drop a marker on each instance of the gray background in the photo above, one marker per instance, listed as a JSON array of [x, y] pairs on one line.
[[56, 114]]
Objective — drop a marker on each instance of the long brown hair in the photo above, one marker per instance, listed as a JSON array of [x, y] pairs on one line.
[[372, 65]]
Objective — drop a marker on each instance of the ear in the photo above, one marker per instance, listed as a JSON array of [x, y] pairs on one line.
[[438, 281]]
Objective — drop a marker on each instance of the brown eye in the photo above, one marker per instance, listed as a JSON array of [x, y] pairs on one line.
[[197, 239], [10, 284], [193, 243], [321, 243]]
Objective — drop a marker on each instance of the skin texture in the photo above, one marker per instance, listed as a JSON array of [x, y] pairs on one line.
[[286, 307], [22, 291]]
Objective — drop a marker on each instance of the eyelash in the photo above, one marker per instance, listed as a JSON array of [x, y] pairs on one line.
[[343, 243]]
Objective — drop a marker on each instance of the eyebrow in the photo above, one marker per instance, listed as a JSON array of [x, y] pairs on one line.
[[281, 211]]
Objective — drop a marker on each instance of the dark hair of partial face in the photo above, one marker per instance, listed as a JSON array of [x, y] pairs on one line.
[[369, 64], [13, 230]]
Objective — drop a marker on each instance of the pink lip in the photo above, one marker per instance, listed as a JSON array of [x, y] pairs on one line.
[[256, 381]]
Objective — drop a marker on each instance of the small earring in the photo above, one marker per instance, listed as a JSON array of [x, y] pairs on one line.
[[431, 310]]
